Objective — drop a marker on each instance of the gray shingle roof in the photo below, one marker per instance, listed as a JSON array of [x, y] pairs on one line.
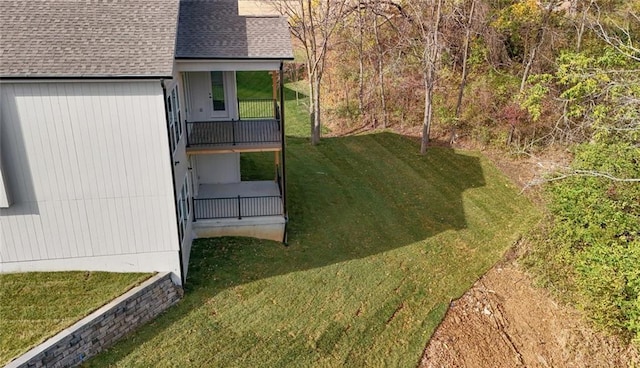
[[212, 29], [87, 38]]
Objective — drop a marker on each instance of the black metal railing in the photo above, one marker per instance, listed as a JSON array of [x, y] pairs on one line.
[[258, 109], [259, 123], [233, 132], [236, 207]]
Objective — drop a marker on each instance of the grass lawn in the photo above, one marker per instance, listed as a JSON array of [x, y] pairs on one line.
[[381, 239], [36, 306]]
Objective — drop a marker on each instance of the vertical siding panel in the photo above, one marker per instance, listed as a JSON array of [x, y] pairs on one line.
[[84, 151], [4, 241], [114, 173], [99, 142], [83, 225], [54, 140], [70, 210], [47, 232], [75, 229], [73, 139], [26, 134], [121, 133], [93, 169], [153, 123], [4, 237], [131, 137], [114, 236], [121, 231], [31, 227], [125, 222], [105, 226], [9, 242], [60, 240], [95, 228], [148, 166], [65, 229], [63, 142], [37, 228], [37, 124]]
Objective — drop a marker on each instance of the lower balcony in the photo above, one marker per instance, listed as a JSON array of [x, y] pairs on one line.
[[252, 208]]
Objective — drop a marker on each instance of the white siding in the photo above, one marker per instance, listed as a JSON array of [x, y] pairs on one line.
[[222, 168], [88, 167]]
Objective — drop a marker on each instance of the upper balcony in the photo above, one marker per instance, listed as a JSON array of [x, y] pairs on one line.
[[257, 129]]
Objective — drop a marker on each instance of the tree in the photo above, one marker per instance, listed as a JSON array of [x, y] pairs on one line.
[[313, 23], [465, 70], [425, 17]]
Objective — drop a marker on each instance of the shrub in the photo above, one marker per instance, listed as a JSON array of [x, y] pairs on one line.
[[594, 242]]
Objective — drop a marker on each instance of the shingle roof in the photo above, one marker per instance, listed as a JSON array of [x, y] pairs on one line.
[[212, 29], [87, 38]]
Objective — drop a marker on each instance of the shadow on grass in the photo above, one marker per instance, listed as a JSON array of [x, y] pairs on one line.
[[349, 198]]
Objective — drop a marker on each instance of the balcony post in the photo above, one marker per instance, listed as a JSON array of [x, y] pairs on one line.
[[283, 145]]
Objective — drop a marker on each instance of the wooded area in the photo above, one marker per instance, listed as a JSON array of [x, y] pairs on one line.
[[518, 75]]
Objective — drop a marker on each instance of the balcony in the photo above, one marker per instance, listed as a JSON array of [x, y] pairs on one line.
[[250, 208], [258, 129]]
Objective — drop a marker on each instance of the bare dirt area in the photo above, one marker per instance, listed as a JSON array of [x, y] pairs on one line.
[[504, 321]]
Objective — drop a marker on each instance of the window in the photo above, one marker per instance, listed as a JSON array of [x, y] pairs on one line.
[[184, 207], [217, 91], [174, 119]]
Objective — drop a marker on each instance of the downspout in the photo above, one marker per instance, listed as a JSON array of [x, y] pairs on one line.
[[173, 178], [284, 167]]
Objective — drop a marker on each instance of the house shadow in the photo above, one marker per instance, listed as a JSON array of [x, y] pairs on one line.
[[349, 198], [14, 156]]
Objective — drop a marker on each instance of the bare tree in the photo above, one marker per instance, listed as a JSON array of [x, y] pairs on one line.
[[313, 22], [425, 17], [617, 35], [465, 70]]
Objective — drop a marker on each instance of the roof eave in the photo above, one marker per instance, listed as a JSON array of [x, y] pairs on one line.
[[87, 77], [187, 58]]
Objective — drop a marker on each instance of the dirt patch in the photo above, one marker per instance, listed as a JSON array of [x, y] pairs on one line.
[[504, 321]]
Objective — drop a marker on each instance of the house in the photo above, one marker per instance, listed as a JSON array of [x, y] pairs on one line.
[[121, 132]]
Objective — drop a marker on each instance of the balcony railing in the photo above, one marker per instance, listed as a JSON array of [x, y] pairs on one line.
[[259, 124], [258, 109], [237, 207]]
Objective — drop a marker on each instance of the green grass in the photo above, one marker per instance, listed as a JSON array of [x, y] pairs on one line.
[[252, 85], [381, 239], [36, 306]]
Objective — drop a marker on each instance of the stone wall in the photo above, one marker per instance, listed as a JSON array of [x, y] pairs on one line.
[[105, 326]]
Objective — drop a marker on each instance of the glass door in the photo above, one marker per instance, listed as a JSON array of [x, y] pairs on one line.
[[218, 95]]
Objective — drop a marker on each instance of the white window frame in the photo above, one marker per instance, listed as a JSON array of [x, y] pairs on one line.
[[174, 118], [184, 208]]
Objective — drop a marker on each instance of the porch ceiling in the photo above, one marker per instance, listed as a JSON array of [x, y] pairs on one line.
[[214, 30]]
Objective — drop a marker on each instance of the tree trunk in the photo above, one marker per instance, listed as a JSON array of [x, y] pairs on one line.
[[463, 82], [430, 61], [527, 68], [428, 112], [534, 49], [380, 67], [360, 64], [315, 112]]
